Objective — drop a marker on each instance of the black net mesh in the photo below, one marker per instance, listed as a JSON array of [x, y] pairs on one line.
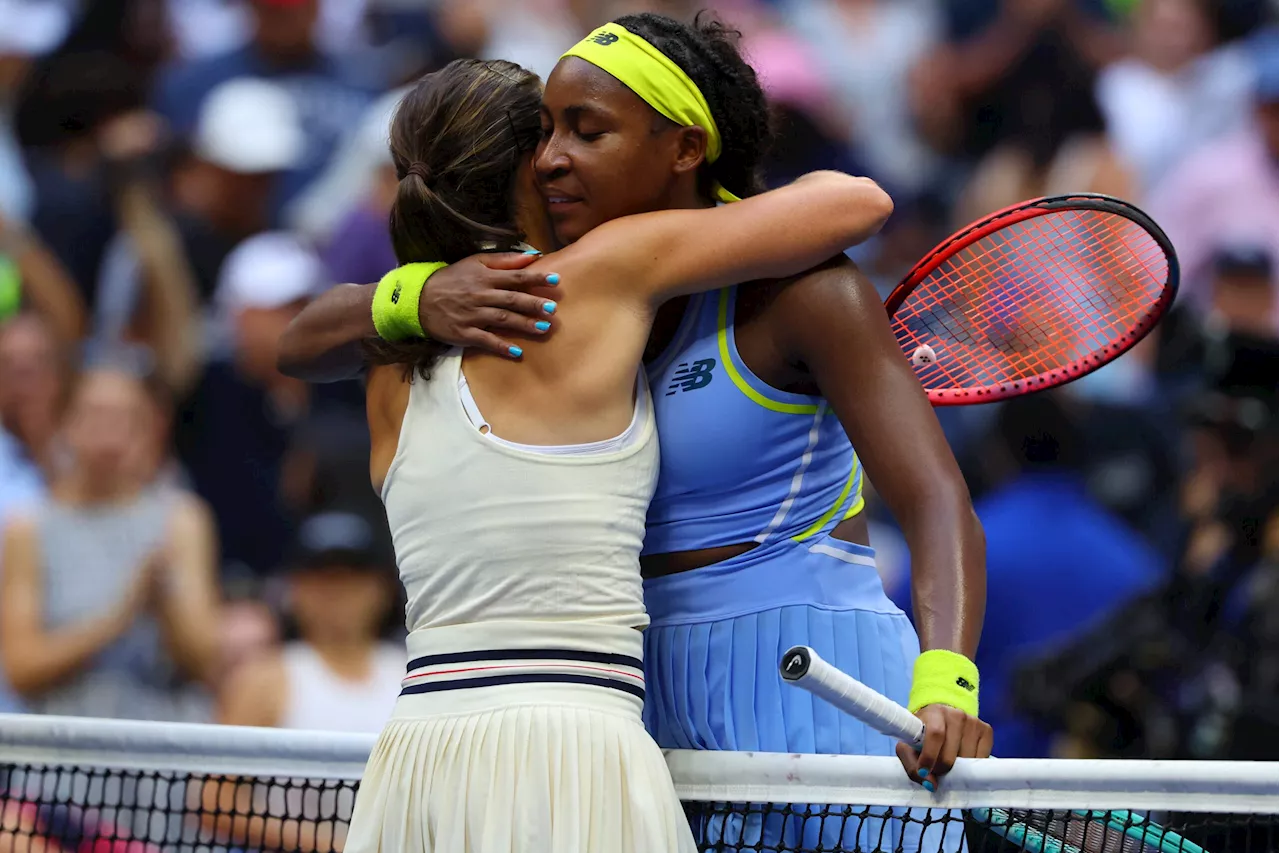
[[67, 809], [787, 827]]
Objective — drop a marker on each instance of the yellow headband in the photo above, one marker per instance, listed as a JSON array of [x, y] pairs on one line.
[[652, 75]]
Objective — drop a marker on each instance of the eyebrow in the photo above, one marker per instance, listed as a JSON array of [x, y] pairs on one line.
[[576, 111]]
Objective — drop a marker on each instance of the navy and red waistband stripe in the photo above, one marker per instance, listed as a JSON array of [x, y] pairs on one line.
[[492, 667], [526, 654], [528, 678]]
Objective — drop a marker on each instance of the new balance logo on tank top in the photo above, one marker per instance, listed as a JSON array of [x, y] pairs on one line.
[[741, 461], [690, 376]]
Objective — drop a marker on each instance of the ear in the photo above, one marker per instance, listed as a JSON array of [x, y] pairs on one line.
[[691, 149]]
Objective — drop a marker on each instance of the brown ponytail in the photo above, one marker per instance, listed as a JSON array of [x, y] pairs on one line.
[[457, 140]]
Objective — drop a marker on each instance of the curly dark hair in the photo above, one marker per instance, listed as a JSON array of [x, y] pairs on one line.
[[457, 140], [707, 51]]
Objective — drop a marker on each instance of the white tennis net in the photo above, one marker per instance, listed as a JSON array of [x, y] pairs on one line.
[[70, 784]]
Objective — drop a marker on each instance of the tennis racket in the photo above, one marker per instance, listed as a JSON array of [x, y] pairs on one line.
[[1039, 831], [1032, 297]]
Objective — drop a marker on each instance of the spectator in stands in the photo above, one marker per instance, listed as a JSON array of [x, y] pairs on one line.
[[532, 34], [67, 102], [1010, 91], [108, 603], [30, 30], [164, 265], [283, 49], [346, 210], [1175, 90], [1224, 193], [1056, 561], [33, 377], [867, 49], [339, 674], [235, 430]]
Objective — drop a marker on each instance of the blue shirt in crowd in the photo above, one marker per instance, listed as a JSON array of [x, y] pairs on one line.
[[1056, 563], [328, 104]]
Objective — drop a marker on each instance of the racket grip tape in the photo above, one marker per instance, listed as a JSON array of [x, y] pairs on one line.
[[803, 667]]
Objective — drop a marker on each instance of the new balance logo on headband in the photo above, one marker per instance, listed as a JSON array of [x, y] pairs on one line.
[[604, 39], [691, 377]]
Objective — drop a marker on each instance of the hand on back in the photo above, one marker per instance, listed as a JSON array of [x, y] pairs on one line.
[[472, 302]]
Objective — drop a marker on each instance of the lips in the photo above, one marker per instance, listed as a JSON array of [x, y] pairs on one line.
[[558, 200]]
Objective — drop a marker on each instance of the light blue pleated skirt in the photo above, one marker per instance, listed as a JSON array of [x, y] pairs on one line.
[[711, 657]]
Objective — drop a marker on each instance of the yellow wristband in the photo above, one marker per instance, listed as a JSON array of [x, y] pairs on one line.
[[944, 678], [395, 302]]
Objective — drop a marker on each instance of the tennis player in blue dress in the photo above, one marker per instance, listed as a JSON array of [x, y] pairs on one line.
[[754, 541]]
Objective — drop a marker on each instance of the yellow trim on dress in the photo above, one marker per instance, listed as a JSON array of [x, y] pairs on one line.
[[826, 517], [722, 339]]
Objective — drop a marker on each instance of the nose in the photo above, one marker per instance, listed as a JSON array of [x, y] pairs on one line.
[[551, 160]]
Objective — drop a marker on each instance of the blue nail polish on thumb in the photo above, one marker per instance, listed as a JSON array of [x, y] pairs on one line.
[[928, 786], [532, 252]]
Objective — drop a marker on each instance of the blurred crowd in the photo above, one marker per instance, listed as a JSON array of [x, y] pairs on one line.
[[189, 535]]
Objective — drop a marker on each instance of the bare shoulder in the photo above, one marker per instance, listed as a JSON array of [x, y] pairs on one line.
[[836, 290], [189, 513], [20, 528]]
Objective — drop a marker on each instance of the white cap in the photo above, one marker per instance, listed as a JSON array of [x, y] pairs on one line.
[[269, 270], [249, 126], [32, 27]]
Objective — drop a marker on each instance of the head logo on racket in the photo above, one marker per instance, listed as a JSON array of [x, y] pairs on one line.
[[795, 663]]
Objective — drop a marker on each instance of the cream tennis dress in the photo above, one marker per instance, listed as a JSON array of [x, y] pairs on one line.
[[518, 726]]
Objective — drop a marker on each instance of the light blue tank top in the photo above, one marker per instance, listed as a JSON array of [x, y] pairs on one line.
[[741, 461]]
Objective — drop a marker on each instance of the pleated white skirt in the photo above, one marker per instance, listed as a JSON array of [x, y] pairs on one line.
[[517, 768]]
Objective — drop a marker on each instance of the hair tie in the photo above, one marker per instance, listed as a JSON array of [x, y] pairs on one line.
[[418, 168]]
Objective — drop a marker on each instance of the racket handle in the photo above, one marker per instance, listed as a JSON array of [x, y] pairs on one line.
[[803, 667]]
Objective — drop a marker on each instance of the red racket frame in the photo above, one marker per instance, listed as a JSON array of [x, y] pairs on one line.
[[1012, 215]]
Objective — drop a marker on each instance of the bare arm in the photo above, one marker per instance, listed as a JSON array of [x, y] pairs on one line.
[[46, 284], [36, 659], [168, 283], [188, 611], [462, 305], [775, 234], [888, 418], [127, 142], [322, 343]]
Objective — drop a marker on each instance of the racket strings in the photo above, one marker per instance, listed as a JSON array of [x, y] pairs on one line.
[[1039, 297]]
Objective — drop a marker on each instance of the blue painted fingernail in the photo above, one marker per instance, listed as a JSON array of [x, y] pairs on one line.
[[923, 773], [928, 786], [532, 252], [549, 307], [553, 278], [542, 325], [516, 351]]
